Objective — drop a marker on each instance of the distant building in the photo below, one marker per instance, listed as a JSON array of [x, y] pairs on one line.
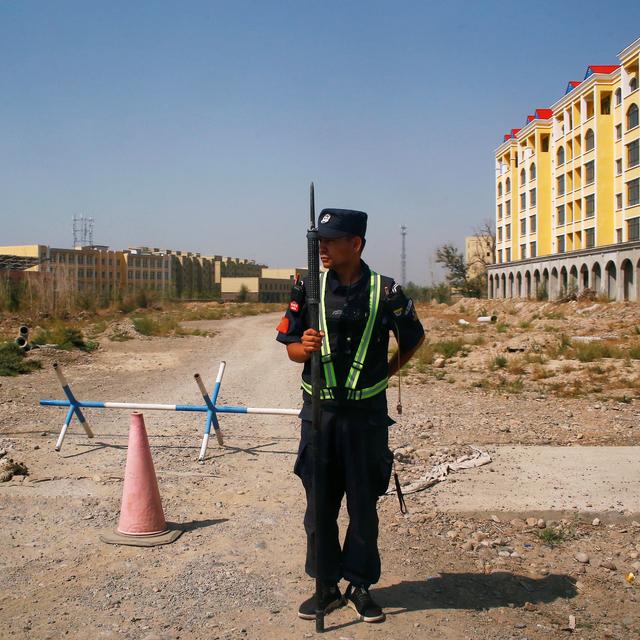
[[272, 285], [169, 272], [478, 254]]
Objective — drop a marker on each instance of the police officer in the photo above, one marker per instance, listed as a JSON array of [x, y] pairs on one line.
[[358, 310]]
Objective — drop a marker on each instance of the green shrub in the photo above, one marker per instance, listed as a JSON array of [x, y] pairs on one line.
[[499, 362], [64, 337], [448, 348], [13, 361]]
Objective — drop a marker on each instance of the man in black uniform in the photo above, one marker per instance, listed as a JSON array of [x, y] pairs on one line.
[[358, 309]]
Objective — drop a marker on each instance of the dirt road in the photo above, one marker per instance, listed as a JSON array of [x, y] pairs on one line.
[[237, 570]]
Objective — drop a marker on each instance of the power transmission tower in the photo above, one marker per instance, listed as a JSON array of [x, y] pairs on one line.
[[82, 231], [403, 258]]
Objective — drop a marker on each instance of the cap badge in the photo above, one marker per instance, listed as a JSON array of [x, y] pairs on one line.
[[325, 218]]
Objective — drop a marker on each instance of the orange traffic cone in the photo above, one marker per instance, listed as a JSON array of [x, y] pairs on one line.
[[142, 522]]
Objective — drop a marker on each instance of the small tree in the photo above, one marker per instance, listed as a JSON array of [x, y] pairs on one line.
[[243, 295]]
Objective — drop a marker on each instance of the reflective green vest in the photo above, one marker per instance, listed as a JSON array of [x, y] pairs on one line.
[[351, 384]]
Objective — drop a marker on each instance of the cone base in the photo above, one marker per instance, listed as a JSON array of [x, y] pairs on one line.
[[150, 540]]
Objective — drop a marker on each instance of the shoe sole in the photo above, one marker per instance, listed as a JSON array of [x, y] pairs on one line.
[[336, 604], [379, 618]]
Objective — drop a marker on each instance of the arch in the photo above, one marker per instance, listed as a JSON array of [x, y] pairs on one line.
[[499, 189], [510, 292], [618, 95], [545, 284], [532, 171], [572, 287], [626, 273], [564, 282], [507, 185], [633, 83], [536, 283], [584, 277], [503, 286], [589, 140], [560, 155], [519, 285], [632, 116], [611, 273], [553, 284], [527, 284], [596, 277], [523, 176]]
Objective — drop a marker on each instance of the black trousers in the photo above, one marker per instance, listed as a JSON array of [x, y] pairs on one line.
[[354, 460]]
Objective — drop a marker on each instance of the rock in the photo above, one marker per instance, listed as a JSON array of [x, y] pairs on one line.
[[608, 564], [438, 363], [532, 522], [541, 524], [582, 557], [468, 546], [596, 522]]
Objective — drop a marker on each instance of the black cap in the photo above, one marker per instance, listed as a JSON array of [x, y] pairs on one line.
[[333, 223]]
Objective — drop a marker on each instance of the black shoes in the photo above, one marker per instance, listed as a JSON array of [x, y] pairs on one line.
[[330, 599], [360, 600]]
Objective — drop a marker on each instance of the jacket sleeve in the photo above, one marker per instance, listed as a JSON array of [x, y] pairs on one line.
[[403, 318], [294, 322]]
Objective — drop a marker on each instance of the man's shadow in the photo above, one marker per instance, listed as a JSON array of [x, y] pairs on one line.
[[475, 591]]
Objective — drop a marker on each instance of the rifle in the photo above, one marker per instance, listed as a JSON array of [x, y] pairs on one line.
[[313, 300]]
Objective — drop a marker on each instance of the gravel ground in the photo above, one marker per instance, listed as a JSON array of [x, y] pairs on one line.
[[489, 573]]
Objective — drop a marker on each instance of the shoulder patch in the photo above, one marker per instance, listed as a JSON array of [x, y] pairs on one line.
[[294, 306], [283, 327]]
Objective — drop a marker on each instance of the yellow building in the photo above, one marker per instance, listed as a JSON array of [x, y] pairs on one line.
[[567, 191], [478, 254]]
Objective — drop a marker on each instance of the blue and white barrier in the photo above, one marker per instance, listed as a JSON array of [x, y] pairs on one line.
[[210, 408]]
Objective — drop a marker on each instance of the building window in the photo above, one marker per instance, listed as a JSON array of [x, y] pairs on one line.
[[560, 183], [532, 172], [499, 212], [588, 140], [618, 132], [590, 237], [508, 231], [560, 244], [633, 229], [523, 201], [618, 166], [633, 83], [618, 96], [508, 208], [560, 156], [633, 197], [523, 251], [533, 251], [499, 189], [618, 235], [589, 172], [500, 256], [632, 117], [523, 177], [590, 206], [532, 198], [532, 224], [508, 255], [618, 201], [633, 158], [523, 227], [560, 216], [507, 185], [499, 234]]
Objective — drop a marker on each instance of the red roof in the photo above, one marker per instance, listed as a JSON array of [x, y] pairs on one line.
[[603, 68], [514, 132], [530, 118], [544, 114]]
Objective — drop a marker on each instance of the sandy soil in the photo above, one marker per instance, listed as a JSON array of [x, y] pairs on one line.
[[508, 550]]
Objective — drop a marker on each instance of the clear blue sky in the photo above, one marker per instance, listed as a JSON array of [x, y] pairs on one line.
[[198, 125]]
